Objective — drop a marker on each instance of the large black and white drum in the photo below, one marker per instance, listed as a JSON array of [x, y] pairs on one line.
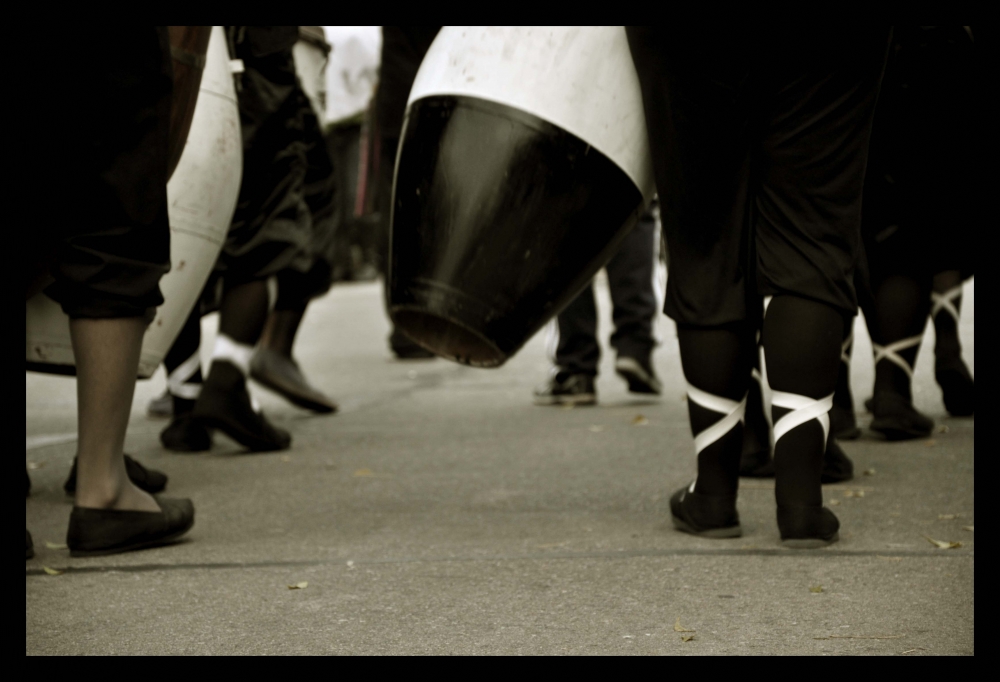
[[522, 164], [201, 197]]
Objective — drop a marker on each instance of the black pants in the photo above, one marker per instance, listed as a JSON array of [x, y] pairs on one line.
[[630, 279], [759, 138]]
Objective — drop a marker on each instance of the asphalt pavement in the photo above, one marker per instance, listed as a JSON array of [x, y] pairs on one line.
[[441, 512]]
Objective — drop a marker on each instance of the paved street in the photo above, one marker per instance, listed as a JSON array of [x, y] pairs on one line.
[[440, 512]]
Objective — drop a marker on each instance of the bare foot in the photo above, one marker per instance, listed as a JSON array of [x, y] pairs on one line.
[[127, 498]]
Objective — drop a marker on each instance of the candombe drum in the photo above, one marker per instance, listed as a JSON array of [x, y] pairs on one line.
[[522, 165], [201, 197]]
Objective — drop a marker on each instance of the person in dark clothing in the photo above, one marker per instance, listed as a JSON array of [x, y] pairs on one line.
[[924, 204], [630, 281], [106, 248], [270, 232], [759, 142], [403, 49]]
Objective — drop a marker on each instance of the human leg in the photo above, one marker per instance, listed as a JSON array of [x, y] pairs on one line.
[[577, 355], [184, 381]]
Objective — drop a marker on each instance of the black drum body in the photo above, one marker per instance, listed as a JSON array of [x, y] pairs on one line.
[[501, 215]]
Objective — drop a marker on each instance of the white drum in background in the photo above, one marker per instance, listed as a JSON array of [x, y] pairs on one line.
[[201, 198], [310, 55]]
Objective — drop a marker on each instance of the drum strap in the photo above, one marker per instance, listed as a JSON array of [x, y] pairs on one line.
[[177, 381], [733, 413], [946, 302], [890, 352]]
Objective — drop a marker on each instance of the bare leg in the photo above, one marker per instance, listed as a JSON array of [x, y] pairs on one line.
[[107, 360], [280, 330]]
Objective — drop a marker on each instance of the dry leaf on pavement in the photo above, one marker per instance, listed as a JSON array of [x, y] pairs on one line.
[[834, 503], [640, 420], [680, 628], [854, 493], [596, 428], [52, 571], [298, 586], [968, 528], [55, 545], [869, 472], [34, 466], [687, 638], [942, 428], [940, 544], [816, 589]]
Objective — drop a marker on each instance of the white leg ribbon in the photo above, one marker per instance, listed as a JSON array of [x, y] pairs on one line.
[[890, 352], [946, 302], [734, 414], [803, 409], [176, 381], [237, 353]]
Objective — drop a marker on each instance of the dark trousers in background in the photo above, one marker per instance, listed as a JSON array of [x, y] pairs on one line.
[[630, 279]]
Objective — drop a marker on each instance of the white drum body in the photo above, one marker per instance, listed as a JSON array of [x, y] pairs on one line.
[[201, 198], [579, 78], [310, 65]]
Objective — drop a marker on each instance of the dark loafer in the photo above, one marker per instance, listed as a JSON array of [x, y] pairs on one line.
[[897, 419], [283, 376], [98, 532], [707, 516], [807, 527], [150, 480], [225, 404], [837, 466], [186, 434]]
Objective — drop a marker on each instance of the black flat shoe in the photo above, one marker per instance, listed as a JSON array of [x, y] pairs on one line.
[[957, 387], [837, 466], [807, 527], [283, 376], [224, 404], [707, 516], [99, 532], [186, 434], [897, 419], [150, 480], [29, 552]]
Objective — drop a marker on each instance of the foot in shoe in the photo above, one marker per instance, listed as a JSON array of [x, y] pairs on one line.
[[99, 532], [161, 407], [225, 404], [186, 434], [957, 387], [707, 516], [639, 374], [149, 480], [567, 388], [897, 419], [807, 527], [282, 374]]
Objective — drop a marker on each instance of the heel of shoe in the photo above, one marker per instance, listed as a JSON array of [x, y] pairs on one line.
[[807, 527]]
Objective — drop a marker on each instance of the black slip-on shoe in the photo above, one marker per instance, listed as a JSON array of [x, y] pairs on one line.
[[186, 434], [707, 516], [957, 388], [807, 527], [98, 532], [150, 480], [639, 375], [567, 388], [29, 552], [224, 404], [161, 407], [283, 376], [843, 423], [896, 418], [837, 466]]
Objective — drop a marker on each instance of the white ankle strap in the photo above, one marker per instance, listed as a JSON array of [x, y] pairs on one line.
[[176, 380], [946, 302], [734, 413], [803, 409], [845, 349], [236, 353], [890, 352]]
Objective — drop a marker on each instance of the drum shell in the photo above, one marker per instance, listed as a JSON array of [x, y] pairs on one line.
[[201, 198], [502, 211]]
